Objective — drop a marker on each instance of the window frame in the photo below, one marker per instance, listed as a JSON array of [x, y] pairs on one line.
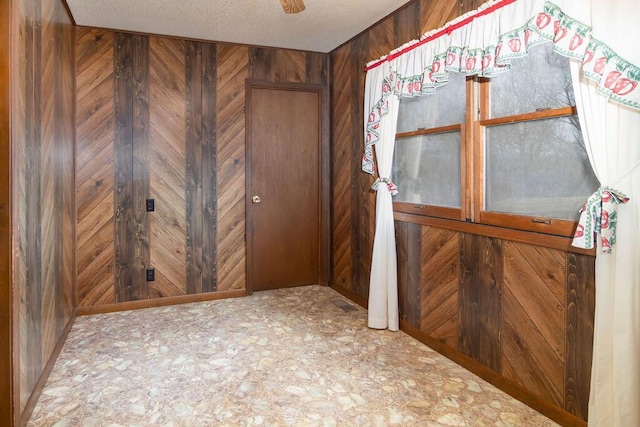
[[472, 167]]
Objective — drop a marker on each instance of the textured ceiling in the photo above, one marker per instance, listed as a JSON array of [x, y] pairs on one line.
[[323, 26]]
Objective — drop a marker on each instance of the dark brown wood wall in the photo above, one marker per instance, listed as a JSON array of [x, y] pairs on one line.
[[353, 209], [43, 183], [7, 318], [524, 311], [164, 118]]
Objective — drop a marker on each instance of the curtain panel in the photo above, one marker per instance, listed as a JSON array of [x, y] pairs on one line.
[[599, 38]]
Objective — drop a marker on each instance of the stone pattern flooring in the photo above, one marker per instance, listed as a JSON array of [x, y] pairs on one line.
[[290, 357]]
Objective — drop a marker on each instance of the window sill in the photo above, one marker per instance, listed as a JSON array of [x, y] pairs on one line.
[[529, 237]]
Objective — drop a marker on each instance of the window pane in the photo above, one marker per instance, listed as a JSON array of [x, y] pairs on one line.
[[442, 108], [538, 81], [538, 168], [426, 169]]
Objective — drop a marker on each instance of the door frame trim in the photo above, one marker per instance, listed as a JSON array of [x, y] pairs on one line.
[[324, 173]]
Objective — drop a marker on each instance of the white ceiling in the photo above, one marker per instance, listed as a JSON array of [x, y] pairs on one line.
[[323, 26]]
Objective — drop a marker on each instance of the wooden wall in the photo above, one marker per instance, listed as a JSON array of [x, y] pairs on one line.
[[164, 118], [522, 313], [353, 209], [43, 186]]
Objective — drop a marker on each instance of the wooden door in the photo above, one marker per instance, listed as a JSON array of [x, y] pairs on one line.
[[283, 187]]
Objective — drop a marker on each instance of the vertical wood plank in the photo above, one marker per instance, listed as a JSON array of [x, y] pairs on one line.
[[480, 303], [33, 243], [414, 267], [580, 317], [194, 166], [8, 310], [406, 24], [403, 267], [209, 167], [316, 67], [141, 180], [261, 63], [123, 143], [434, 14]]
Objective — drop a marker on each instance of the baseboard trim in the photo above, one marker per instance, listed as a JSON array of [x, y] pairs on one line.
[[513, 389], [44, 376], [160, 302], [362, 302]]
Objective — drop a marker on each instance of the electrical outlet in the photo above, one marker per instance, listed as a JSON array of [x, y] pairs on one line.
[[151, 274], [151, 205]]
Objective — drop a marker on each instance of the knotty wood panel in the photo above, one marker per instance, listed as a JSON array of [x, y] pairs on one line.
[[209, 167], [232, 71], [43, 179], [141, 177], [580, 309], [439, 278], [480, 306], [123, 143]]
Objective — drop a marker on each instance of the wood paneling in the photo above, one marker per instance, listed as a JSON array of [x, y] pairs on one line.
[[525, 312], [7, 318], [480, 305], [232, 71], [440, 265], [342, 160], [42, 142], [481, 293], [169, 102], [163, 118], [580, 309], [533, 331], [95, 166]]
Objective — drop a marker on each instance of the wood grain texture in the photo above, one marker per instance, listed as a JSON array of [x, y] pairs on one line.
[[480, 303], [440, 267], [533, 330], [123, 162], [169, 140], [140, 178], [342, 160], [435, 13], [406, 24], [9, 371], [580, 311], [209, 167], [232, 71], [42, 142], [408, 243]]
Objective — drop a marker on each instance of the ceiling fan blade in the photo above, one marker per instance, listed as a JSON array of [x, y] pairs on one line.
[[292, 6]]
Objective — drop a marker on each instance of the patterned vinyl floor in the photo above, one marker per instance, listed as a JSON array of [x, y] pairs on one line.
[[292, 357]]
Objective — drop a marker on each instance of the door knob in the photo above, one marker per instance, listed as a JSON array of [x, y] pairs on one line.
[[255, 199]]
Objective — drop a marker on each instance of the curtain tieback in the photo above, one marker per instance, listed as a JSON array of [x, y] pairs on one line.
[[390, 185], [599, 215]]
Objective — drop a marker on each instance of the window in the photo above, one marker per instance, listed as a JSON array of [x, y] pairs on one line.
[[505, 151]]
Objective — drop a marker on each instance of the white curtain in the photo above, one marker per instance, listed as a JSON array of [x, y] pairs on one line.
[[601, 39], [383, 287], [612, 136]]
